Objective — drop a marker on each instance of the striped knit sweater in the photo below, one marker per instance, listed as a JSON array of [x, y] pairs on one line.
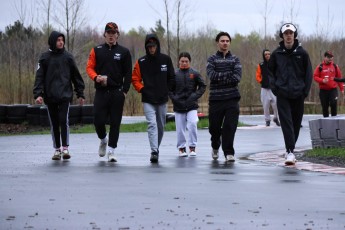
[[224, 73]]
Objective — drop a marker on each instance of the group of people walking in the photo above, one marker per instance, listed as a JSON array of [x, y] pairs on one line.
[[285, 77]]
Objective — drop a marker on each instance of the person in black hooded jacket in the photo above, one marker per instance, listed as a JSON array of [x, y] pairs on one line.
[[55, 75], [153, 76], [290, 82], [267, 97]]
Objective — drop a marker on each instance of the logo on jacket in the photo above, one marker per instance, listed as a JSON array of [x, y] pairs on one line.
[[117, 56], [191, 75], [164, 68]]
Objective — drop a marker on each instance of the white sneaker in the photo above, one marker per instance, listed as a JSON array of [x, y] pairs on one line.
[[57, 155], [290, 159], [102, 148], [111, 157], [230, 158], [182, 152], [215, 154], [65, 154], [192, 152]]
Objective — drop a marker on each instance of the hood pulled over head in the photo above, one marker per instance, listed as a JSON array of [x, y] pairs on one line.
[[263, 54], [52, 40], [152, 39]]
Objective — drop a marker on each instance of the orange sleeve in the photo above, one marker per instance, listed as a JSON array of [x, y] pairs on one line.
[[136, 78], [258, 74], [91, 64]]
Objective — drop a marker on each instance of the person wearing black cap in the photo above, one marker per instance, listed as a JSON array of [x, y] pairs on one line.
[[56, 73], [327, 75], [109, 66], [290, 81], [224, 71], [154, 76]]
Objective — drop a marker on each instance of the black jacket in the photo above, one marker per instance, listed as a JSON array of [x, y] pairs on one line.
[[291, 70], [153, 75], [56, 72], [113, 61], [189, 88], [265, 72]]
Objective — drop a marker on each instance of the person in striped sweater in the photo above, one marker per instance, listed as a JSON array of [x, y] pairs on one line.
[[224, 71]]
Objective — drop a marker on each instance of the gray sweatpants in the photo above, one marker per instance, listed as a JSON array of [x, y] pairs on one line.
[[155, 117], [268, 99]]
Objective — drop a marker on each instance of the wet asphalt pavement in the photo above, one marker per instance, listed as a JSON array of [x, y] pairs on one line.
[[87, 192]]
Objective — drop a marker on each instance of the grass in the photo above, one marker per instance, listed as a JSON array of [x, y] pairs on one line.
[[138, 127], [326, 153], [89, 128]]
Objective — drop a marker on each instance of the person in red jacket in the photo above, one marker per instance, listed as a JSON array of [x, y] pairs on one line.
[[324, 74]]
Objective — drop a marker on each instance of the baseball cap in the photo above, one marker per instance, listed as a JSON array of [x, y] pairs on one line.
[[151, 42], [328, 53], [288, 26], [111, 26]]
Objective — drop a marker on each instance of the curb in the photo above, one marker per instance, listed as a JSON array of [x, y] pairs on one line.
[[277, 158]]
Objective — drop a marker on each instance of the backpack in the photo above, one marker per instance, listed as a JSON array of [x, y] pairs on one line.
[[335, 69]]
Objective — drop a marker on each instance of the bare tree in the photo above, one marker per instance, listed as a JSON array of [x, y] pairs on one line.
[[166, 6], [266, 11], [46, 6], [178, 28], [73, 19]]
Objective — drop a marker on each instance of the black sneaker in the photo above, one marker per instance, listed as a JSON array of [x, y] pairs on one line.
[[268, 123], [154, 157], [276, 121]]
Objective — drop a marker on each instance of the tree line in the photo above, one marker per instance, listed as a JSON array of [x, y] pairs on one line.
[[21, 47]]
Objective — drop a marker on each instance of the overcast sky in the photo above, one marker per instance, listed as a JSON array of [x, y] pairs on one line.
[[233, 16]]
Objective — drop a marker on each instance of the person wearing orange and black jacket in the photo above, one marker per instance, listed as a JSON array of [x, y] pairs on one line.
[[154, 76], [110, 67], [327, 74], [267, 97]]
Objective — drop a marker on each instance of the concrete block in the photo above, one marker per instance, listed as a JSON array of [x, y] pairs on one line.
[[317, 143], [315, 127], [331, 143], [341, 130], [329, 128]]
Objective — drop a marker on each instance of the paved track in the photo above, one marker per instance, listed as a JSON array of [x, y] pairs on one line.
[[87, 192]]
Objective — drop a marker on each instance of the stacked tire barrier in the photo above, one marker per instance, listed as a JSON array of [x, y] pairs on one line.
[[38, 114], [327, 132]]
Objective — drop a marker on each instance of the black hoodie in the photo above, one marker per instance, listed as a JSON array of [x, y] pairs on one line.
[[153, 75], [55, 74], [291, 71], [265, 72]]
